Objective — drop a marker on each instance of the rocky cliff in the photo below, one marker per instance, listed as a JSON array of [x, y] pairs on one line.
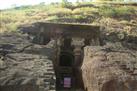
[[25, 66]]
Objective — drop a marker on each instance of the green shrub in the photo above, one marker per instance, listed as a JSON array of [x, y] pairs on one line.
[[107, 11], [124, 11], [110, 11]]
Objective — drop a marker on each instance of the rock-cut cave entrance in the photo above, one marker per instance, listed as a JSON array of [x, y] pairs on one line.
[[66, 78], [68, 41]]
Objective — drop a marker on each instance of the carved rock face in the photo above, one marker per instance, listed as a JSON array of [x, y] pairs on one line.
[[109, 69]]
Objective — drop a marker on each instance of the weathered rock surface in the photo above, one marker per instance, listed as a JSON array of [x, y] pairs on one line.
[[110, 68], [22, 63]]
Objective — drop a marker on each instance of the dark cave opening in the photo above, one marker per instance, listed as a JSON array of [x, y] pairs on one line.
[[66, 60], [65, 74]]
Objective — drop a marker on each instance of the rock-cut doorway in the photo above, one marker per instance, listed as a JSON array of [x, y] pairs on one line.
[[65, 74]]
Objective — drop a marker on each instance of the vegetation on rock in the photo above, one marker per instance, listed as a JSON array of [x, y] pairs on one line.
[[80, 12]]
